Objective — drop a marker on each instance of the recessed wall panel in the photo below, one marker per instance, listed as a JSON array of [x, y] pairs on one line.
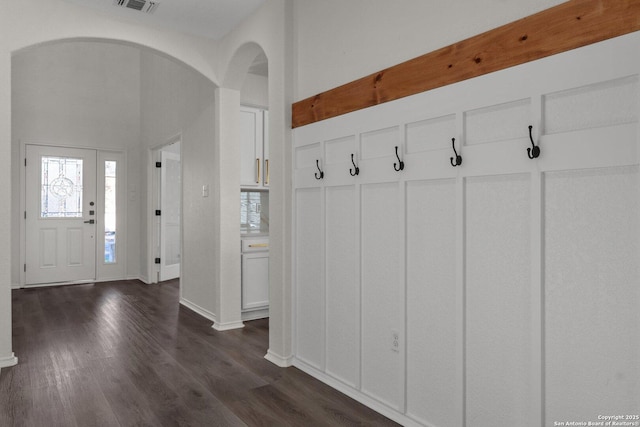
[[343, 305], [309, 291], [48, 243], [602, 104], [382, 293], [431, 134], [339, 150], [498, 122], [379, 143], [498, 302], [592, 297], [75, 246], [307, 155], [432, 395]]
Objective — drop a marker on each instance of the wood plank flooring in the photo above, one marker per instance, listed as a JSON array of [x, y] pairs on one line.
[[127, 354]]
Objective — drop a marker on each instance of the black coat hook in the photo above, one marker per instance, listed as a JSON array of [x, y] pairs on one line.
[[458, 161], [357, 169], [534, 151], [319, 170], [400, 165]]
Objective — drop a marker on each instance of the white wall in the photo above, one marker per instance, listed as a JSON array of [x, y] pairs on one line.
[[176, 100], [270, 27], [497, 276], [80, 94], [7, 357], [25, 24], [340, 41], [199, 215], [255, 91]]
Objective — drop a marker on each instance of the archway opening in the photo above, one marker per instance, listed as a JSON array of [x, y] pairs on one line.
[[120, 99]]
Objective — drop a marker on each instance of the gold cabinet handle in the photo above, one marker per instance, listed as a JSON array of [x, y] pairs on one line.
[[266, 165], [259, 245], [258, 171]]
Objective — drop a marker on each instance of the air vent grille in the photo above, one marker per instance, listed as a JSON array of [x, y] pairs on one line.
[[146, 6]]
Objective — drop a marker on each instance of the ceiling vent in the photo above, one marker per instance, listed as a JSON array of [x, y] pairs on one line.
[[146, 6]]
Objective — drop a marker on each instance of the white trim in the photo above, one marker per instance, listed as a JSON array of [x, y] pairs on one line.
[[201, 311], [153, 202], [283, 362], [47, 285], [6, 362], [227, 326], [254, 314], [388, 412], [139, 277]]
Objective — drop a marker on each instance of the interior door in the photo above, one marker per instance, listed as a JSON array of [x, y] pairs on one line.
[[60, 214], [170, 196]]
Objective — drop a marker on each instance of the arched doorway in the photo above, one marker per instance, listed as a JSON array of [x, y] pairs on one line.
[[123, 98]]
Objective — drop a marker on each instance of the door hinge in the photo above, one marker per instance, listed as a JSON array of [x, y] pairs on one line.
[[25, 214], [158, 164], [157, 260], [25, 268], [25, 161], [158, 212]]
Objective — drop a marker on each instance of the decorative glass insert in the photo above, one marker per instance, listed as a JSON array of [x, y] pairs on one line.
[[61, 190], [110, 211]]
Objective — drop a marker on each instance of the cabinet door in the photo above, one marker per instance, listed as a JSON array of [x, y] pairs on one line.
[[255, 280], [251, 135]]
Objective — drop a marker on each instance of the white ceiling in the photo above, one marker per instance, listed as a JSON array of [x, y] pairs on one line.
[[208, 18]]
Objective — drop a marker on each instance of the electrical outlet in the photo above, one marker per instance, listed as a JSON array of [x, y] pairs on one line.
[[395, 341]]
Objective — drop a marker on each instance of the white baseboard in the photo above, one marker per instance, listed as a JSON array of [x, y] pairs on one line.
[[377, 406], [143, 279], [6, 362], [227, 326], [255, 314], [283, 362], [201, 311]]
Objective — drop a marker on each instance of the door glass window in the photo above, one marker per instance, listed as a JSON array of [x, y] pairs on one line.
[[61, 189], [110, 211]]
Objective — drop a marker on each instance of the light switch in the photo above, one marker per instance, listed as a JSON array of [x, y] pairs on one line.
[[205, 191]]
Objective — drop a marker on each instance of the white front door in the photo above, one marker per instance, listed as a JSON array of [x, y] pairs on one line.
[[170, 201], [60, 214]]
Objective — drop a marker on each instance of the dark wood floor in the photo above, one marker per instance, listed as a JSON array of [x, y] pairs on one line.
[[127, 354]]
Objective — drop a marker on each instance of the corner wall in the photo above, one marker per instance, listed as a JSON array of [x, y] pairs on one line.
[[177, 101], [271, 28]]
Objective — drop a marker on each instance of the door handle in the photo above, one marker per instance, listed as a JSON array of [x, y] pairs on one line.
[[258, 171], [91, 221]]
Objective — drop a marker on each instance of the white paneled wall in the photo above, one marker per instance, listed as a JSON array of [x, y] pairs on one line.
[[501, 292], [498, 304], [431, 301], [592, 292], [343, 292]]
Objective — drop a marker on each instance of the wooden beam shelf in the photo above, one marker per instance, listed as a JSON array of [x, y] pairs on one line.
[[567, 26]]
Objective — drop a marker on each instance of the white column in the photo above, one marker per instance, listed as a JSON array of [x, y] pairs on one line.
[[7, 357], [227, 193], [281, 77]]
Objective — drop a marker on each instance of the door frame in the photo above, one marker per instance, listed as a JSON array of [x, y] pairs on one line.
[[101, 154], [153, 203]]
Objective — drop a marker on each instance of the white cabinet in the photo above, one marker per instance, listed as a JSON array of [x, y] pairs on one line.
[[255, 274], [254, 167]]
